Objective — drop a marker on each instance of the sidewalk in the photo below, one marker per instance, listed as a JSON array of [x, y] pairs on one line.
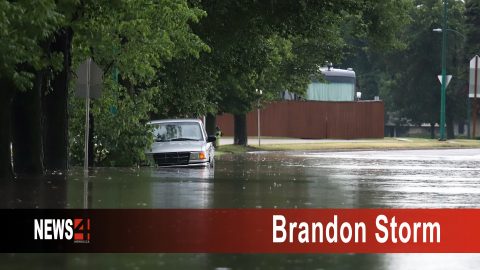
[[286, 144], [253, 141]]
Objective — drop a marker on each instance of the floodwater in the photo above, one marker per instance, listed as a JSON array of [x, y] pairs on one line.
[[362, 179]]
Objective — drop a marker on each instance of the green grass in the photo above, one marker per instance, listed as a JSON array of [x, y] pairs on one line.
[[363, 144], [233, 149], [377, 144]]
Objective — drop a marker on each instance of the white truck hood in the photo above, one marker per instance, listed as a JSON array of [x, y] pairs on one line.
[[177, 146]]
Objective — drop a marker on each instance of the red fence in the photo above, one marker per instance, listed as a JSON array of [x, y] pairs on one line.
[[314, 120]]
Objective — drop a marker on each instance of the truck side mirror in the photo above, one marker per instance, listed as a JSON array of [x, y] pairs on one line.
[[211, 139]]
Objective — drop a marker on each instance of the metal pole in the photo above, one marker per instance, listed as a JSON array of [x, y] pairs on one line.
[[469, 119], [258, 122], [259, 92], [444, 71], [87, 120], [85, 194], [474, 132]]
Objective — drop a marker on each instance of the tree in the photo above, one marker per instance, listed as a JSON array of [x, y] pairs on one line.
[[405, 75], [472, 23], [25, 26], [278, 45], [42, 40], [417, 94], [253, 47], [138, 40], [472, 30]]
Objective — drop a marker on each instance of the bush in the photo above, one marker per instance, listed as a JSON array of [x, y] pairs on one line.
[[120, 132]]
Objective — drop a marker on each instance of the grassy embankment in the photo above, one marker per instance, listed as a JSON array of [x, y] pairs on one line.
[[364, 144]]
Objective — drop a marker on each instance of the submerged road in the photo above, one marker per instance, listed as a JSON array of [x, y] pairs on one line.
[[358, 179]]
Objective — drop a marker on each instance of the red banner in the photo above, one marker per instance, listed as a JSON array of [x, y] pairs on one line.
[[247, 230]]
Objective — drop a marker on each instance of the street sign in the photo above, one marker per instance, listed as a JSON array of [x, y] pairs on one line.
[[449, 78], [88, 85], [474, 64], [88, 73]]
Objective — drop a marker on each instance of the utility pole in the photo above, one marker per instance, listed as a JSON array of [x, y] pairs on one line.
[[444, 72], [475, 100], [469, 134]]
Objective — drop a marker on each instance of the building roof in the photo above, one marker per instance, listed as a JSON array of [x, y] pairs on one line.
[[335, 72], [180, 120]]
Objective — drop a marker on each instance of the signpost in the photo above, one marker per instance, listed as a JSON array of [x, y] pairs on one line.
[[443, 90], [473, 89], [443, 78], [88, 85]]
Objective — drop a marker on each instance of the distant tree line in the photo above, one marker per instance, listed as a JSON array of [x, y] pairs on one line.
[[406, 76]]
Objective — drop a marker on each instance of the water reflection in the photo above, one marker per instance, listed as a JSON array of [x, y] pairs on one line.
[[181, 187], [34, 192], [183, 173], [247, 262], [398, 179]]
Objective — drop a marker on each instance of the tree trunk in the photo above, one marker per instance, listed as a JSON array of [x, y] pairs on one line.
[[432, 130], [55, 107], [211, 127], [240, 129], [450, 127], [6, 97], [27, 129], [461, 127], [211, 124]]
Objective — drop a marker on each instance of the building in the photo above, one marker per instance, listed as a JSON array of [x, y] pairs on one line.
[[330, 109], [339, 85]]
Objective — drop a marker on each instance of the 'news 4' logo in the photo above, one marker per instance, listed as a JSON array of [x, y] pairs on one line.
[[77, 229], [81, 229]]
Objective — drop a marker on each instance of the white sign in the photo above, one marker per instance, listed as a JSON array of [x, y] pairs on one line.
[[449, 77], [474, 65]]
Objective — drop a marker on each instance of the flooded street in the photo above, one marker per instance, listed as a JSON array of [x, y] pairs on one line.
[[361, 179]]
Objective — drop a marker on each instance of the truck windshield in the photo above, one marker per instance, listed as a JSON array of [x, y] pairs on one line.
[[177, 131]]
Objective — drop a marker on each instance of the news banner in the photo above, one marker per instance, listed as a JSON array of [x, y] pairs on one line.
[[242, 230]]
